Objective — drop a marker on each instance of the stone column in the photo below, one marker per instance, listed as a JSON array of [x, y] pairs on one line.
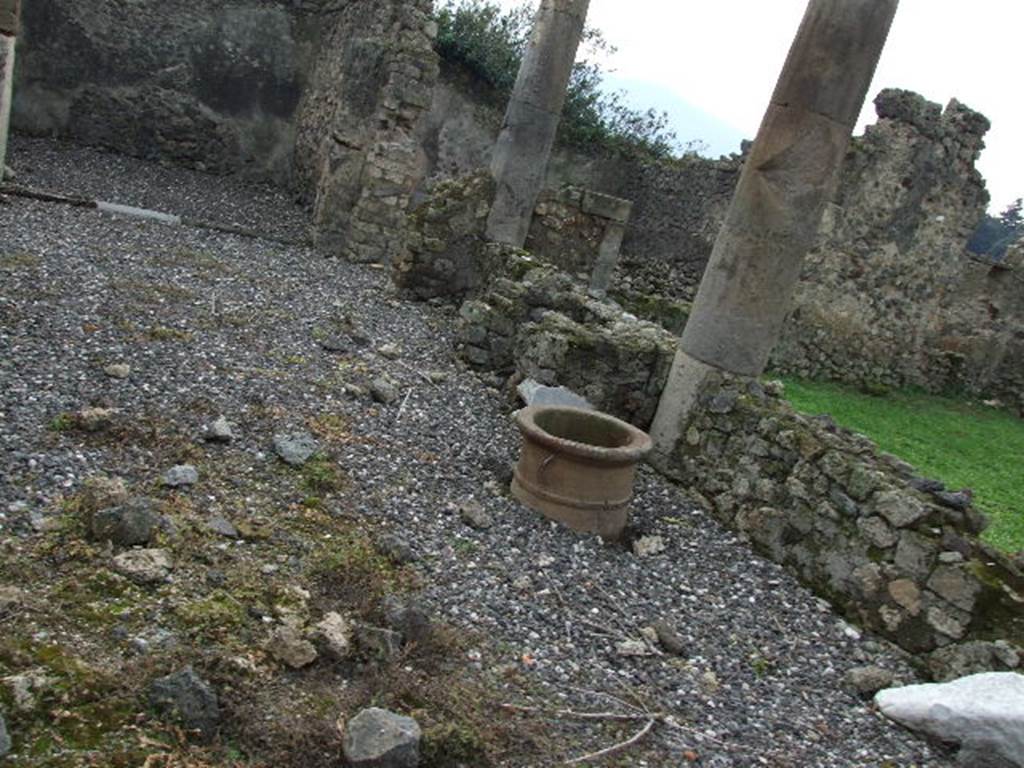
[[9, 18], [521, 154], [773, 220]]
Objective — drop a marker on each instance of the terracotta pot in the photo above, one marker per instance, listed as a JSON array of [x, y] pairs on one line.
[[577, 467]]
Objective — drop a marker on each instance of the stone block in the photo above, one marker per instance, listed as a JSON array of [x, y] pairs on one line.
[[607, 207]]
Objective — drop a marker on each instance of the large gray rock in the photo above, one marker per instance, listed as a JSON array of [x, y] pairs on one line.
[[376, 738], [128, 525], [144, 566], [188, 698], [295, 449], [983, 713], [532, 392], [181, 476], [5, 738]]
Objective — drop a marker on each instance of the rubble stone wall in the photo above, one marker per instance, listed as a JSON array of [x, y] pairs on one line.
[[357, 144], [890, 295], [323, 96], [899, 554], [205, 83]]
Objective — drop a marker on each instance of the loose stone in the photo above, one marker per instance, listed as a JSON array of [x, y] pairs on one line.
[[334, 636], [219, 431], [144, 566], [181, 476], [221, 525], [383, 390], [128, 525], [647, 546], [118, 371], [396, 548], [186, 697], [474, 515], [867, 681], [669, 638], [377, 738], [295, 449], [287, 645], [983, 713]]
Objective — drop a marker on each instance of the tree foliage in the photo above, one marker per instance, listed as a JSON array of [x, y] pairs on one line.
[[997, 233], [490, 42]]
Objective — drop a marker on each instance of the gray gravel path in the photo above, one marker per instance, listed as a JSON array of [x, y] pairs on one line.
[[215, 324]]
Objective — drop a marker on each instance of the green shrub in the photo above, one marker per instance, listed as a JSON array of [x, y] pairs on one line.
[[490, 42]]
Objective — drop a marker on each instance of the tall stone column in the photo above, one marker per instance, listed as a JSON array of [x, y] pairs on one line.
[[9, 18], [775, 213], [521, 154]]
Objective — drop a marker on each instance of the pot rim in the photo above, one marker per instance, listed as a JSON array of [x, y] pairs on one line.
[[638, 446]]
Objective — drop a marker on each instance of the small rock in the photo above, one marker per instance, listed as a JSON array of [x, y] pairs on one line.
[[5, 738], [144, 566], [219, 431], [383, 390], [377, 738], [669, 639], [646, 546], [396, 548], [334, 636], [188, 698], [544, 560], [94, 419], [474, 515], [354, 390], [128, 525], [633, 648], [288, 646], [100, 492], [221, 525], [412, 622], [959, 500], [723, 402], [533, 392], [295, 449], [27, 688], [523, 583], [390, 351], [10, 598], [118, 371], [339, 345], [181, 476], [926, 485], [709, 682], [867, 681], [377, 642], [983, 713]]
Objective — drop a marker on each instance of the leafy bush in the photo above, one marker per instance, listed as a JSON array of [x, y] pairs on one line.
[[995, 234], [490, 42]]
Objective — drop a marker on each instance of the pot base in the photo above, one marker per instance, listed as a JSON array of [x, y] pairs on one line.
[[608, 522]]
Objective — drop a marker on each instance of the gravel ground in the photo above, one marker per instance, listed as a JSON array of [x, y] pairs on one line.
[[215, 324]]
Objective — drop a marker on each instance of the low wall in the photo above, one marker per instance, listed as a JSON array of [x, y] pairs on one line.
[[895, 552], [322, 96]]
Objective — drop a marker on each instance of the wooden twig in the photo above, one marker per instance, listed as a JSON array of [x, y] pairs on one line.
[[573, 715], [614, 749], [401, 408]]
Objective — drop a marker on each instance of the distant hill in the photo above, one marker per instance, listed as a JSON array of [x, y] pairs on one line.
[[689, 122]]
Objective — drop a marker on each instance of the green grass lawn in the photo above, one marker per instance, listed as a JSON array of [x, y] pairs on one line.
[[965, 445]]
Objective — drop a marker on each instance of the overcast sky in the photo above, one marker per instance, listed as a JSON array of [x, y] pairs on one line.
[[713, 65]]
